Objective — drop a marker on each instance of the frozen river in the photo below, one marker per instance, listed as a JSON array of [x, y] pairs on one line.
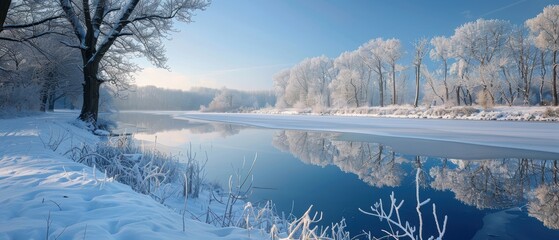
[[488, 177]]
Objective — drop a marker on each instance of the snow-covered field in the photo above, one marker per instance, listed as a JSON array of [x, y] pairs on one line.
[[464, 139], [44, 195]]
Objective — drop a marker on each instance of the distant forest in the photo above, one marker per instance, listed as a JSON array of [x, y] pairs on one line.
[[207, 99]]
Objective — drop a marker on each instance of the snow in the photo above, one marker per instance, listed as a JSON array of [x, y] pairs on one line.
[[498, 113], [431, 137], [41, 189]]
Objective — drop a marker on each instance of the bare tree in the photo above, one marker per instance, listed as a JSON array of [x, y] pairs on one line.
[[420, 49], [108, 31]]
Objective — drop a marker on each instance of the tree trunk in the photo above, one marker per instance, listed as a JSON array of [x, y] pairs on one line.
[[394, 99], [381, 91], [542, 75], [4, 6], [445, 83], [554, 79], [458, 95], [90, 107], [44, 97], [416, 101], [52, 97], [355, 92], [380, 85]]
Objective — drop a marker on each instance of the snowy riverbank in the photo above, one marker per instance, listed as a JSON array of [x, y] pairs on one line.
[[500, 113], [45, 195], [430, 137]]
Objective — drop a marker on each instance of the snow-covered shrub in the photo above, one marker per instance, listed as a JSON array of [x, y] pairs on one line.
[[551, 112], [193, 175], [144, 171], [484, 99], [399, 228]]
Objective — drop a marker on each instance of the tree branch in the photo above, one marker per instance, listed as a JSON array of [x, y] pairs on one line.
[[17, 26], [98, 17], [74, 20], [113, 35]]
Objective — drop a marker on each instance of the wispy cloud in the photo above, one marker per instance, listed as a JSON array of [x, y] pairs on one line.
[[502, 8]]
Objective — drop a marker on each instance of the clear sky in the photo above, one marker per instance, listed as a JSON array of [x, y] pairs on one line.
[[241, 44]]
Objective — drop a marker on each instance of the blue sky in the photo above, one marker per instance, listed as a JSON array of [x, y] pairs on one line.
[[241, 44]]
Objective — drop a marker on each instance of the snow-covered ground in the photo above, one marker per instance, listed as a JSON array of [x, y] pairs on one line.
[[463, 139], [44, 195]]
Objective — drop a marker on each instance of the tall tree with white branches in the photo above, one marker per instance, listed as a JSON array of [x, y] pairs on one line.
[[442, 51], [420, 49], [545, 29], [108, 32]]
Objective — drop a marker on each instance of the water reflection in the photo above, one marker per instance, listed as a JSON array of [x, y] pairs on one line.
[[544, 205], [373, 163], [165, 122], [484, 184]]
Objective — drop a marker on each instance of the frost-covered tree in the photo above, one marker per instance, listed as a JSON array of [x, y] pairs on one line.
[[350, 87], [393, 52], [374, 55], [323, 69], [298, 86], [519, 66], [306, 83], [479, 46], [420, 49], [441, 50], [108, 33], [281, 80], [545, 29]]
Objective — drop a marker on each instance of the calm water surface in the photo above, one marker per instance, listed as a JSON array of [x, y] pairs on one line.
[[512, 198]]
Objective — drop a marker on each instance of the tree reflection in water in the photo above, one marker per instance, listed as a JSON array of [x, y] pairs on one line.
[[373, 163], [484, 184]]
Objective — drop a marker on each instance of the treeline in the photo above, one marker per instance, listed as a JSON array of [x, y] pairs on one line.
[[485, 62], [206, 99], [154, 98], [229, 100]]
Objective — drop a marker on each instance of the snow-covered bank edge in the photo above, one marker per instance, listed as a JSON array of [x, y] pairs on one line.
[[520, 135], [499, 113], [44, 194]]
